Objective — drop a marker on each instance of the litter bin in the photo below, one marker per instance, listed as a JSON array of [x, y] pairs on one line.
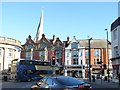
[[5, 78], [93, 77]]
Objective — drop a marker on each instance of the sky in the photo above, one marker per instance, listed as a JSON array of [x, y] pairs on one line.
[[80, 19]]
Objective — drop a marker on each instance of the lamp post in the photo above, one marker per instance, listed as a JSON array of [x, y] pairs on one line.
[[107, 52], [89, 56]]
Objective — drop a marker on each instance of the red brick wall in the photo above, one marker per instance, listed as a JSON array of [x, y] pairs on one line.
[[22, 54], [104, 56], [36, 55], [50, 54], [92, 56]]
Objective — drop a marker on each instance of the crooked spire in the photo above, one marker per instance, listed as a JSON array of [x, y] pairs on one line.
[[39, 29]]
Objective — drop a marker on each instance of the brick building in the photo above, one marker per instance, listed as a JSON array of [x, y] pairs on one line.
[[98, 54], [42, 48]]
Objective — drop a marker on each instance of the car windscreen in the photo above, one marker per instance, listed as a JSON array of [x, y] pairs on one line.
[[69, 81]]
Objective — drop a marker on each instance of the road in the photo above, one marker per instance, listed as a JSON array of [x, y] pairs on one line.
[[12, 85], [97, 85], [104, 85]]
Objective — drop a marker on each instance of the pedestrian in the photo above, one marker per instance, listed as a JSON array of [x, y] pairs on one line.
[[119, 78]]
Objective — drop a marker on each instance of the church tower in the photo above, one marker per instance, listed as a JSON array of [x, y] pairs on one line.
[[39, 29]]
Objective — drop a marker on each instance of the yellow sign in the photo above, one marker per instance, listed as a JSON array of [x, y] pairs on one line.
[[43, 67]]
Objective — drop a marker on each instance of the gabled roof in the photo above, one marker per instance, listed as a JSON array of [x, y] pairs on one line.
[[74, 40], [58, 40], [45, 39], [66, 43], [29, 40], [95, 43]]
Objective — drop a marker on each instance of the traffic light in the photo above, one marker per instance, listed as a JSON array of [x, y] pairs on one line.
[[53, 62]]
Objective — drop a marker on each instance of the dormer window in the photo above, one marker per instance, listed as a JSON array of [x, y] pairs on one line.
[[42, 45], [74, 45], [29, 46]]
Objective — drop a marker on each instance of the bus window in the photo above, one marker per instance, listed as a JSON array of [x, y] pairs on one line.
[[30, 71], [22, 62]]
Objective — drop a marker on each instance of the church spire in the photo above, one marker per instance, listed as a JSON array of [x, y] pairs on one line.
[[39, 29]]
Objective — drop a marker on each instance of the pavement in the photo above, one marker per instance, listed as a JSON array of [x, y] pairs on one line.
[[103, 84]]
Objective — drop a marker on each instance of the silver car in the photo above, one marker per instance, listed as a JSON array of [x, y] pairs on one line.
[[63, 83]]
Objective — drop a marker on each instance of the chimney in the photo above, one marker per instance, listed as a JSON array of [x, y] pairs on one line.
[[57, 38], [29, 36], [43, 35], [54, 38], [68, 39]]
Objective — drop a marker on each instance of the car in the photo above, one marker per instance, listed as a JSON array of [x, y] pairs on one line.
[[62, 83]]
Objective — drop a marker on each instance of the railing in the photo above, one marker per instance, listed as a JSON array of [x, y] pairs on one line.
[[6, 40]]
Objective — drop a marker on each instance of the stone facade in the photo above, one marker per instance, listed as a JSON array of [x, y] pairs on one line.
[[10, 49]]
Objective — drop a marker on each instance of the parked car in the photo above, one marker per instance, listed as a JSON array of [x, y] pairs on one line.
[[62, 83]]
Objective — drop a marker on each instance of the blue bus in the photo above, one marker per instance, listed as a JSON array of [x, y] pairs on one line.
[[28, 70]]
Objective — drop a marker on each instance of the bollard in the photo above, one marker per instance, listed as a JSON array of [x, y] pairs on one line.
[[93, 78]]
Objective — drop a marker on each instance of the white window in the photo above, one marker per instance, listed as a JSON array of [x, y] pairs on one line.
[[80, 53], [67, 62], [86, 52], [75, 61], [97, 52], [74, 53], [10, 53], [110, 53], [74, 45], [67, 54]]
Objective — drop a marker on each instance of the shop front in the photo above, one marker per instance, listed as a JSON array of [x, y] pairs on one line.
[[75, 71]]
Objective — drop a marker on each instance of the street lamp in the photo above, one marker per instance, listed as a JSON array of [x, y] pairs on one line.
[[107, 52], [89, 56]]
